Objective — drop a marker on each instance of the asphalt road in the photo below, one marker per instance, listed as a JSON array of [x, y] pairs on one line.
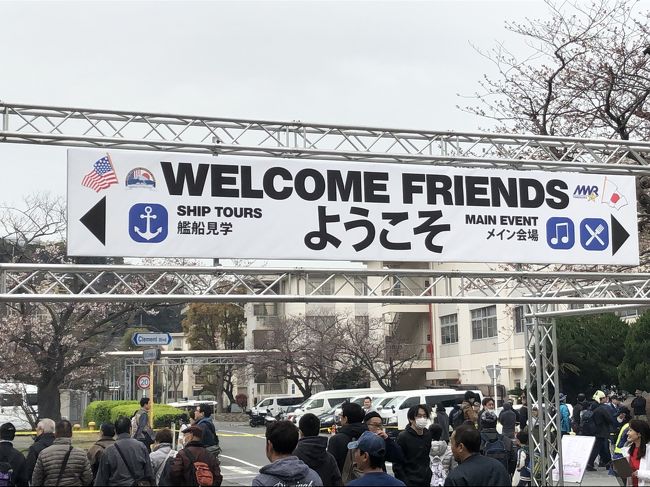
[[243, 453]]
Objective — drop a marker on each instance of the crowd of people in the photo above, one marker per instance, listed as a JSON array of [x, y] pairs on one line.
[[463, 448]]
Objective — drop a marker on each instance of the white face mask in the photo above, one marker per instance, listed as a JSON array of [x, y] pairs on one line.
[[421, 423], [620, 420]]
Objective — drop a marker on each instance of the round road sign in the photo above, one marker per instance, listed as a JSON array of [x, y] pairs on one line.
[[143, 381]]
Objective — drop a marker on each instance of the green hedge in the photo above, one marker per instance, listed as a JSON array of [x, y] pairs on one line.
[[109, 411], [100, 411]]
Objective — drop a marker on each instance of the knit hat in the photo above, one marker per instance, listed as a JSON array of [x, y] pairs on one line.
[[7, 432]]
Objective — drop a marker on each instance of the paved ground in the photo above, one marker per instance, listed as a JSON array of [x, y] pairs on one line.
[[244, 454]]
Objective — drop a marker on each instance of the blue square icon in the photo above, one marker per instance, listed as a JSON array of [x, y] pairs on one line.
[[560, 233], [148, 223], [594, 234]]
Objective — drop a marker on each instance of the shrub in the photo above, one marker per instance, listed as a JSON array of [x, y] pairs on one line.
[[100, 411], [164, 415]]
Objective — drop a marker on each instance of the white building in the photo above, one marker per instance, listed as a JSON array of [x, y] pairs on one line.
[[454, 343]]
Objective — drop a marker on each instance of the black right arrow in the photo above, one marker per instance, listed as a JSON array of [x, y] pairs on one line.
[[619, 235], [95, 220]]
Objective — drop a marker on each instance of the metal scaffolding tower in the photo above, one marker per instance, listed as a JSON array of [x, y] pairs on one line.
[[546, 292]]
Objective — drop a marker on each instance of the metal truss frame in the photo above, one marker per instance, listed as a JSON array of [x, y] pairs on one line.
[[547, 294], [157, 284], [112, 129]]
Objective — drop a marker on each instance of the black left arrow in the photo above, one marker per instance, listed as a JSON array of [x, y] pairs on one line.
[[95, 220]]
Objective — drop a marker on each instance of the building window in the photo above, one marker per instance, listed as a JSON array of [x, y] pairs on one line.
[[360, 285], [449, 329], [519, 319], [320, 285], [484, 322]]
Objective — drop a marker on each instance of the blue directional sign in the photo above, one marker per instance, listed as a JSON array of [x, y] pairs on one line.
[[151, 339]]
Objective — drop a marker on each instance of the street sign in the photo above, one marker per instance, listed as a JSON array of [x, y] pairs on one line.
[[151, 339], [151, 354], [143, 381], [173, 205], [494, 371], [114, 386]]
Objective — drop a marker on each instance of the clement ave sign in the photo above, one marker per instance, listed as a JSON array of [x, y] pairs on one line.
[[170, 205]]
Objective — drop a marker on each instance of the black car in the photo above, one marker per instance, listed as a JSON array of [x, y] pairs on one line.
[[329, 418]]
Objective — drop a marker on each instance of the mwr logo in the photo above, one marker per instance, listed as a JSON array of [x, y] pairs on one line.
[[586, 192]]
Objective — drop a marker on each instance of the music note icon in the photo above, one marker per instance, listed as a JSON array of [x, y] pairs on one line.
[[560, 233]]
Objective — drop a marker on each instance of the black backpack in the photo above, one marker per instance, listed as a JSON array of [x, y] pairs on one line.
[[496, 449], [587, 424], [456, 418]]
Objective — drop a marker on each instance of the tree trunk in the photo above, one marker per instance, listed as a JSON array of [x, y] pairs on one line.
[[219, 389], [49, 399]]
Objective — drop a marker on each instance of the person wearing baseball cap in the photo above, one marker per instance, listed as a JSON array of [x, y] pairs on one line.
[[182, 471], [18, 473], [369, 455]]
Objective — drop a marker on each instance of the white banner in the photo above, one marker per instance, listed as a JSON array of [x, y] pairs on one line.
[[137, 204]]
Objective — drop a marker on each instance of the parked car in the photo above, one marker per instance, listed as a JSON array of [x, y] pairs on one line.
[[325, 400], [277, 404]]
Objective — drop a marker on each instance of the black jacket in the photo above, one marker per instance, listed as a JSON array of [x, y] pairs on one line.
[[603, 421], [639, 406], [312, 450], [523, 417], [479, 470], [415, 470], [338, 444], [40, 443], [17, 461], [508, 420]]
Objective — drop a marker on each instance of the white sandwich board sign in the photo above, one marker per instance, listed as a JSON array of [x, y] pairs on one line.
[[140, 204]]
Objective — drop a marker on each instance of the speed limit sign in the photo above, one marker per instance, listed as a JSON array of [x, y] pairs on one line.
[[143, 381]]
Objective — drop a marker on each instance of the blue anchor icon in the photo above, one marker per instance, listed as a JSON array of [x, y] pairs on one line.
[[155, 225]]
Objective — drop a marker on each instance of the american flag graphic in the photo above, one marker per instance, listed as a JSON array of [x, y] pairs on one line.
[[102, 175]]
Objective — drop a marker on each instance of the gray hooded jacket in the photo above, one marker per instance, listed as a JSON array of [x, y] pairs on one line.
[[287, 472]]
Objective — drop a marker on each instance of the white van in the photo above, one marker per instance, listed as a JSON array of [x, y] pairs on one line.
[[395, 405], [276, 404], [323, 401], [374, 396]]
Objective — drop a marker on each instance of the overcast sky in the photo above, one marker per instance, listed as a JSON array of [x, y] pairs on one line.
[[392, 64]]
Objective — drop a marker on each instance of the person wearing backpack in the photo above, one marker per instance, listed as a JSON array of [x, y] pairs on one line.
[[96, 451], [203, 416], [61, 464], [473, 468], [285, 469], [415, 442], [194, 465], [125, 462], [162, 452], [13, 468], [496, 445], [352, 427], [440, 456], [603, 427]]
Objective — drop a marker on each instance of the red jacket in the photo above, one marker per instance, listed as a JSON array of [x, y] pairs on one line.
[[182, 470]]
